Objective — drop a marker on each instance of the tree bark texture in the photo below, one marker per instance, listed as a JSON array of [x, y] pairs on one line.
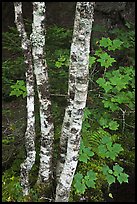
[[30, 131], [40, 69], [78, 94], [71, 92]]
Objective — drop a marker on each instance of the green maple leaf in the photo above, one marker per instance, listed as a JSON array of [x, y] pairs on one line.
[[113, 125], [105, 42], [118, 82], [123, 178], [107, 86], [83, 157], [105, 169], [109, 146], [115, 80], [91, 174], [115, 45], [88, 152], [80, 187], [101, 82], [117, 169], [117, 148], [102, 150], [116, 73], [110, 179], [106, 140], [103, 122], [109, 104], [90, 183], [92, 60], [89, 178], [110, 171], [78, 177], [112, 155], [106, 60], [98, 52]]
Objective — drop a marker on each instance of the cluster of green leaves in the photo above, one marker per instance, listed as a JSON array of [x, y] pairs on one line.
[[85, 153], [106, 149], [11, 189], [117, 172], [62, 61], [117, 85], [103, 57], [8, 140], [19, 89], [12, 70], [81, 183]]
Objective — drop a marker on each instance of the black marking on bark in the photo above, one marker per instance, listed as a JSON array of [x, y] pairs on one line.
[[67, 124], [71, 95], [83, 79], [35, 7], [45, 124], [80, 112], [72, 78], [73, 57], [69, 113], [73, 131]]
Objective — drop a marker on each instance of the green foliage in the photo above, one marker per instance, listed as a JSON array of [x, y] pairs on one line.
[[11, 41], [105, 60], [12, 70], [127, 36], [85, 153], [110, 44], [8, 140], [105, 148], [81, 183], [108, 149], [116, 85], [107, 123], [62, 61], [57, 56], [59, 36], [116, 173], [91, 60], [11, 189], [18, 89], [119, 88]]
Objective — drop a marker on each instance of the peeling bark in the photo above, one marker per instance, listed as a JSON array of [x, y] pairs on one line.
[[78, 89], [30, 131], [40, 69]]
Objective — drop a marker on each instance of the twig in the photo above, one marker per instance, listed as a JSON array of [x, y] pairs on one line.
[[123, 119]]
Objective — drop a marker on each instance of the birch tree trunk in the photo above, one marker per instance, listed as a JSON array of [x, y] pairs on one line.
[[40, 69], [79, 63], [65, 132], [30, 131]]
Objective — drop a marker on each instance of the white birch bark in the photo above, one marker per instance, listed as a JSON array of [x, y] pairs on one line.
[[80, 60], [30, 131], [40, 69], [71, 92]]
